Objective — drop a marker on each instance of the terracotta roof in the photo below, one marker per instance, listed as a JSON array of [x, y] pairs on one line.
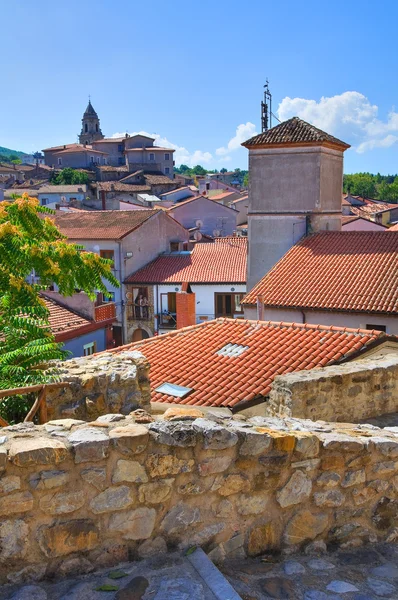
[[393, 227], [157, 178], [63, 189], [220, 196], [62, 319], [221, 261], [78, 148], [116, 186], [191, 357], [194, 198], [61, 147], [121, 169], [294, 131], [240, 199], [372, 208], [354, 271], [101, 225], [150, 148]]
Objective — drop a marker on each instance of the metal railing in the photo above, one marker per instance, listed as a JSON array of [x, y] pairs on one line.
[[136, 312], [39, 405]]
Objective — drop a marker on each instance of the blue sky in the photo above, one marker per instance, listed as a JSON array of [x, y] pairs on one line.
[[192, 73]]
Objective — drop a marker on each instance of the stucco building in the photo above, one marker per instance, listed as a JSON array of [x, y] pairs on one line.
[[206, 216]]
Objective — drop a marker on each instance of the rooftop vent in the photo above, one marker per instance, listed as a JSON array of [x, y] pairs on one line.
[[232, 350], [172, 389]]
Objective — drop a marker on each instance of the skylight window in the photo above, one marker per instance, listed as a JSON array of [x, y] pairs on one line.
[[232, 350], [172, 389]]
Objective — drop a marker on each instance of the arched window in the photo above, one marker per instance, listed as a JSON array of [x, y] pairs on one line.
[[96, 127], [85, 127]]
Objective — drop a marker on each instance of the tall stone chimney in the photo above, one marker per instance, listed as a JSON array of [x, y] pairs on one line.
[[295, 188]]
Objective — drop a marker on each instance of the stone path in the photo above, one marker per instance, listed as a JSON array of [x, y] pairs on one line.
[[368, 573]]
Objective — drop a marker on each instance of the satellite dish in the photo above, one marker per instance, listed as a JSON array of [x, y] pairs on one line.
[[216, 232], [199, 224], [197, 236], [63, 199], [96, 248]]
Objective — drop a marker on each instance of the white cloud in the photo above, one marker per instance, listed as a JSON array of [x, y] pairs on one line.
[[349, 116], [181, 154], [244, 131]]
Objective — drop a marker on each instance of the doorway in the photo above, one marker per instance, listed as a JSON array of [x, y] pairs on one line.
[[139, 334]]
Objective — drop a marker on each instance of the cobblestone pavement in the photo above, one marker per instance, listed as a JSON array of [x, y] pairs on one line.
[[368, 573]]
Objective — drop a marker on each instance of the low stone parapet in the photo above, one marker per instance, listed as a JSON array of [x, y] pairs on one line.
[[349, 392], [101, 384], [92, 494]]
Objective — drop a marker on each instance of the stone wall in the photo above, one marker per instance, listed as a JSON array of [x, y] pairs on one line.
[[351, 392], [100, 384], [74, 495]]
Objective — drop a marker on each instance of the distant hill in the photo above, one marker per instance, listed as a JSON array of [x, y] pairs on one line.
[[6, 152]]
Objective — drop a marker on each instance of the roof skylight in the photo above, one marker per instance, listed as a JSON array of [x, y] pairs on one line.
[[172, 389], [232, 350]]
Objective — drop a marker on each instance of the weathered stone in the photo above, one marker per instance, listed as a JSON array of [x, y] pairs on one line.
[[16, 503], [363, 495], [328, 479], [182, 588], [329, 498], [174, 433], [234, 543], [10, 484], [297, 489], [47, 480], [30, 592], [130, 439], [193, 488], [203, 536], [72, 566], [307, 446], [65, 423], [308, 465], [305, 526], [13, 539], [254, 443], [215, 436], [58, 504], [341, 587], [293, 567], [90, 444], [319, 564], [129, 470], [332, 462], [214, 464], [342, 442], [60, 539], [387, 571], [96, 476], [135, 524], [112, 418], [279, 587], [385, 468], [3, 459], [317, 547], [224, 509], [160, 465], [354, 478], [263, 538], [385, 513], [226, 485], [252, 504], [34, 572], [182, 413], [155, 493], [381, 588], [387, 446], [38, 451], [180, 518], [114, 498], [152, 547]]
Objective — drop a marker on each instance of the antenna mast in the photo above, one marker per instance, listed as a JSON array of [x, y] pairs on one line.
[[266, 109]]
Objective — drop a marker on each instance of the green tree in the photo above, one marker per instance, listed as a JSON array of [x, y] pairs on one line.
[[198, 170], [70, 176], [246, 180], [29, 240], [223, 170]]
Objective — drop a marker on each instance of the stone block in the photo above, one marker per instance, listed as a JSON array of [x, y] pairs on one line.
[[215, 436], [252, 504], [114, 498], [180, 518], [305, 526], [62, 503], [95, 476], [254, 442], [354, 478], [182, 413], [160, 465], [3, 459], [328, 479], [152, 547], [90, 444], [60, 539], [47, 480], [307, 445], [264, 538], [173, 434], [214, 464], [16, 503], [135, 524], [296, 490], [129, 470], [330, 498], [156, 492], [38, 451], [226, 485], [129, 439], [10, 484], [13, 539]]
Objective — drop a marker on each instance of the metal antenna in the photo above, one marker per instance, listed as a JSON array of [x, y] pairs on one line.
[[266, 109]]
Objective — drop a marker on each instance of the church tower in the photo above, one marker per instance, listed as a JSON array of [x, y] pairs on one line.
[[91, 130], [295, 188]]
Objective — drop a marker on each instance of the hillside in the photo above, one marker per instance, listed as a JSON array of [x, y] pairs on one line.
[[7, 152]]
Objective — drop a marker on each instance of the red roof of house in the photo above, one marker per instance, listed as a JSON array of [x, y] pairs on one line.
[[103, 224], [394, 227], [62, 319], [221, 261], [353, 271], [200, 197], [228, 361]]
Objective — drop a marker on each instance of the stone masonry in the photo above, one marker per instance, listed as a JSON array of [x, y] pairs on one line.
[[100, 384], [350, 392], [94, 494]]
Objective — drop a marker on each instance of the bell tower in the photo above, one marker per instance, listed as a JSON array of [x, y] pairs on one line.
[[91, 130]]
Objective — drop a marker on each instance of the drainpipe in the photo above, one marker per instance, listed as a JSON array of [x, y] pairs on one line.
[[303, 315], [121, 277]]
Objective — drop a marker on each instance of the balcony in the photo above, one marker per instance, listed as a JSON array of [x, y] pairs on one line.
[[105, 312], [168, 320], [137, 312]]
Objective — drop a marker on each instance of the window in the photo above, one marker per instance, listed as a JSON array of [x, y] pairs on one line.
[[166, 171], [120, 160], [172, 389], [44, 201], [85, 128], [167, 156], [60, 161], [120, 148], [174, 246], [89, 349], [140, 303], [168, 310], [151, 156], [109, 255], [227, 305], [376, 327], [96, 127], [92, 159]]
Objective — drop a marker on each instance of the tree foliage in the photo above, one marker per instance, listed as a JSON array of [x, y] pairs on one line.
[[367, 185], [30, 241], [69, 176]]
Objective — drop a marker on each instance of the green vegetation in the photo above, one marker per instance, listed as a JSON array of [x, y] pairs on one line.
[[11, 156], [30, 241], [199, 170], [69, 176], [379, 187]]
